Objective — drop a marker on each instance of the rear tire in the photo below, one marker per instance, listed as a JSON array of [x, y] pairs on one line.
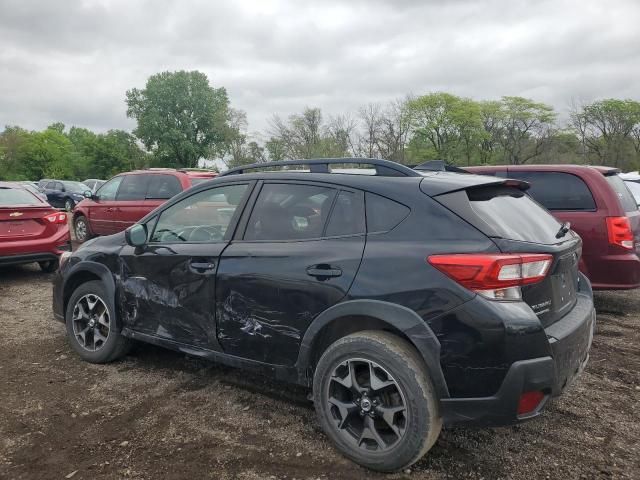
[[81, 229], [92, 328], [375, 401], [69, 204], [49, 266]]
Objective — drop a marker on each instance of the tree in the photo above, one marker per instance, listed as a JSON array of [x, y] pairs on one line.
[[180, 117], [524, 128], [608, 128], [46, 154], [11, 140]]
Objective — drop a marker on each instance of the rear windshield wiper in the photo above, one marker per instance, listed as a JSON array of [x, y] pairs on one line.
[[564, 228]]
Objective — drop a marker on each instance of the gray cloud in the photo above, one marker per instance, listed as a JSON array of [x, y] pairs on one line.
[[73, 61]]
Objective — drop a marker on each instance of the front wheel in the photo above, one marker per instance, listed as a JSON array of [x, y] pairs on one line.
[[91, 325], [81, 229], [375, 401]]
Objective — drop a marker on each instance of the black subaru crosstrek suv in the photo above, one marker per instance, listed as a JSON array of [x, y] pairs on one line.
[[406, 300]]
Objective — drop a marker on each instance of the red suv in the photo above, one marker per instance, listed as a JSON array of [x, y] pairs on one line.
[[600, 209], [128, 197]]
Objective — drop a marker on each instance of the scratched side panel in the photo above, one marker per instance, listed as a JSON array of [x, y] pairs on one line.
[[265, 300]]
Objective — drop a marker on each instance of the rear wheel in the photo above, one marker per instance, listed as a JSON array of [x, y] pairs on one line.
[[81, 229], [375, 401], [49, 266], [91, 325], [69, 204]]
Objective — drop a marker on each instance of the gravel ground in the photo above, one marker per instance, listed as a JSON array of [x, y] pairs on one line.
[[159, 414]]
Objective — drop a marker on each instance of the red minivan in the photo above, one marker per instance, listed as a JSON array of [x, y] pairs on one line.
[[600, 209], [128, 197]]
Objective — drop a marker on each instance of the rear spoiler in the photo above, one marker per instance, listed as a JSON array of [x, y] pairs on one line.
[[439, 183], [438, 166]]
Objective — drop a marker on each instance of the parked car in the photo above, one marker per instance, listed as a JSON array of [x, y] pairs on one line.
[[94, 184], [405, 300], [31, 230], [632, 181], [128, 197], [42, 182], [595, 201], [64, 194]]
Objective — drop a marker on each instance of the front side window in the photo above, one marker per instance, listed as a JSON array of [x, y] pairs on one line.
[[558, 190], [290, 212], [109, 190], [134, 187], [163, 187], [200, 218]]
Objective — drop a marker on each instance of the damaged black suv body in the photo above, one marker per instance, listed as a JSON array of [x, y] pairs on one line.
[[404, 299]]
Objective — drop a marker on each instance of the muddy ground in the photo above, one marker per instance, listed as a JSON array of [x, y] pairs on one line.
[[159, 414]]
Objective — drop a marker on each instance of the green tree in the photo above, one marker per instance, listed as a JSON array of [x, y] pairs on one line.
[[180, 117], [11, 140]]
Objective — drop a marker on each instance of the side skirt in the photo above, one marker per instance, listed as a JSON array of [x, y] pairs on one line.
[[278, 372]]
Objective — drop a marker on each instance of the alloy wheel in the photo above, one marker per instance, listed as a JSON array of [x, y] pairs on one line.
[[367, 405], [68, 205], [81, 230], [91, 322]]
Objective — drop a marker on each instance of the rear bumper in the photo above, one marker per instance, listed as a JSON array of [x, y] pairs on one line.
[[54, 245], [569, 342], [36, 256], [614, 272]]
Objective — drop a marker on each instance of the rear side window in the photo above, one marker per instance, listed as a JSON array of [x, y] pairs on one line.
[[558, 190], [133, 187], [513, 215], [383, 214], [16, 196], [624, 195], [163, 187], [347, 216], [290, 212]]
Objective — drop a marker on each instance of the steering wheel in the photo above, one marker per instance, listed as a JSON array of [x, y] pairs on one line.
[[171, 236], [214, 232]]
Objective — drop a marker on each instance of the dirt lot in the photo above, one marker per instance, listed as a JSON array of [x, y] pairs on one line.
[[159, 414]]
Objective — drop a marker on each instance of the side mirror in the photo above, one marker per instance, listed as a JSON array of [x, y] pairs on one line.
[[136, 235], [87, 194]]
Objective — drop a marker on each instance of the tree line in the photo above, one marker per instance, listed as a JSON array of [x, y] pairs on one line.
[[183, 121]]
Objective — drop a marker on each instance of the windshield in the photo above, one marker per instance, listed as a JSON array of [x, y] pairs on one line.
[[627, 201], [75, 187], [16, 196]]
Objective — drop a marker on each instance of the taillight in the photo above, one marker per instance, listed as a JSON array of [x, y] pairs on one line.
[[529, 402], [57, 218], [495, 276], [620, 233]]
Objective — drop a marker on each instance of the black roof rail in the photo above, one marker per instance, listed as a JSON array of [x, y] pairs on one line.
[[438, 166], [384, 168]]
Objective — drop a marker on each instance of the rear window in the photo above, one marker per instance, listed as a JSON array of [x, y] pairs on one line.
[[624, 195], [513, 215], [16, 196], [558, 190]]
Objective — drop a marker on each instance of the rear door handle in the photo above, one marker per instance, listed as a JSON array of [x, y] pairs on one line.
[[324, 270], [202, 267]]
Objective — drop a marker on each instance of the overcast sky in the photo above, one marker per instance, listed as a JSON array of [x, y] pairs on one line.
[[72, 61]]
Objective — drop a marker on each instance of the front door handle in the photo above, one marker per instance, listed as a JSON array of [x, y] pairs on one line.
[[202, 266], [324, 270]]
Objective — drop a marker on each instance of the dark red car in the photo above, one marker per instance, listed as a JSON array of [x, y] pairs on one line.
[[31, 230], [600, 209], [128, 197]]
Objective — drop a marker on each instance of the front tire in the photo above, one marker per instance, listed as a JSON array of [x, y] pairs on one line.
[[92, 327], [81, 229], [375, 401]]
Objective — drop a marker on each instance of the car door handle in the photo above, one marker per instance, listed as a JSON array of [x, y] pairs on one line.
[[202, 267], [324, 270]]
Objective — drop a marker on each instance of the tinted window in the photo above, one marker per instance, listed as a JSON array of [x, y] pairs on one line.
[[75, 187], [290, 212], [58, 186], [163, 187], [558, 191], [347, 216], [16, 196], [50, 186], [198, 180], [383, 214], [514, 215], [134, 187], [203, 217], [108, 191], [624, 195]]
